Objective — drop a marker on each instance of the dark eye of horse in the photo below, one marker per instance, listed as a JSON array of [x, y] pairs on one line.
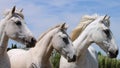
[[66, 40], [107, 32], [18, 23]]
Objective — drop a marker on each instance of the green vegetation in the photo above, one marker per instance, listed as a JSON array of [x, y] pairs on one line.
[[55, 58], [105, 62]]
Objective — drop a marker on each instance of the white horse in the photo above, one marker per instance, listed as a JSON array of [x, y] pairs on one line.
[[97, 32], [14, 27], [38, 57]]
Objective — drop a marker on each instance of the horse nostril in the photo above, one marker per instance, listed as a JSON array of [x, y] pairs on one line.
[[33, 40], [74, 58], [117, 52], [113, 54]]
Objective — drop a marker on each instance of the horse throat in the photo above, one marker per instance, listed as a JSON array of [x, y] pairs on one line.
[[3, 37], [3, 43]]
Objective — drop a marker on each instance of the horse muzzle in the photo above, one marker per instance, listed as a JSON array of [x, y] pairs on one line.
[[72, 59], [31, 43], [113, 54]]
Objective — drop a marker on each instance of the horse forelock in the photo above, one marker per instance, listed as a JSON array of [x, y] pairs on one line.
[[21, 15], [85, 21]]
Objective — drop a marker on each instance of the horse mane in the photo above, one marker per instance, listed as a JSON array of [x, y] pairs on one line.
[[7, 11], [43, 34], [85, 21]]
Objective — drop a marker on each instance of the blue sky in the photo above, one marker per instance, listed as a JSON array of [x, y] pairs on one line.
[[42, 14]]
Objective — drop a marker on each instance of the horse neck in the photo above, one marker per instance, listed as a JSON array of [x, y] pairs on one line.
[[43, 48], [3, 37], [3, 23], [82, 42]]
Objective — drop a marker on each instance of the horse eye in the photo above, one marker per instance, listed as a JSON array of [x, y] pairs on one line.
[[18, 23], [102, 21], [66, 40], [107, 32]]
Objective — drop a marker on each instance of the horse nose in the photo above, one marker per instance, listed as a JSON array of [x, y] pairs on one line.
[[113, 54], [117, 51], [32, 42], [73, 59]]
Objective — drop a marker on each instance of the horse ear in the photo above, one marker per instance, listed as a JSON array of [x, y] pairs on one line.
[[108, 17], [63, 26], [21, 10], [66, 26], [13, 9], [105, 17]]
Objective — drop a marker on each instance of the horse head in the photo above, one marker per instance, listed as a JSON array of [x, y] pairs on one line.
[[16, 29], [63, 44], [103, 36]]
